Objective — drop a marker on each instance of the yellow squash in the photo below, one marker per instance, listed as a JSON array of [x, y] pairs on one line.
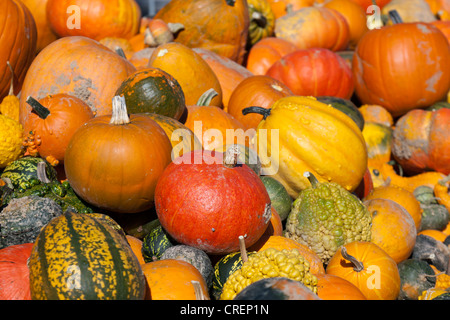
[[300, 134]]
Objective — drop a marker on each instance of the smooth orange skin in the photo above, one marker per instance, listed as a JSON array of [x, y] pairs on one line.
[[331, 287]]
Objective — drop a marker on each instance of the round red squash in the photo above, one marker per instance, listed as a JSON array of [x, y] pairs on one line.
[[314, 72], [204, 200]]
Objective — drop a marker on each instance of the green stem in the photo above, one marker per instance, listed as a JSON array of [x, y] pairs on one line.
[[260, 110], [230, 2], [312, 179], [40, 110], [206, 97], [395, 17]]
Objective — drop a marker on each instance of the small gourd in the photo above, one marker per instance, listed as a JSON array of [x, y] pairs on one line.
[[416, 276], [10, 104]]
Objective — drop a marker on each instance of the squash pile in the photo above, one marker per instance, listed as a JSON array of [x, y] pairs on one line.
[[225, 150]]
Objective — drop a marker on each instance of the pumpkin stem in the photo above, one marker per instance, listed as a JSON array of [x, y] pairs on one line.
[[444, 180], [120, 52], [199, 295], [119, 111], [231, 156], [175, 27], [41, 173], [357, 265], [40, 110], [11, 86], [260, 110], [149, 39], [312, 179], [206, 97], [243, 249], [259, 18], [395, 17], [230, 2]]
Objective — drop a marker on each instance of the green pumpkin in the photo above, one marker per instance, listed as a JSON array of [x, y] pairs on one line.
[[155, 243], [346, 106], [438, 105], [154, 91], [279, 197], [416, 276]]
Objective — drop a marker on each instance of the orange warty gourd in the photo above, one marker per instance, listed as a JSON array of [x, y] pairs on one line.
[[393, 228], [369, 268], [78, 66], [95, 19], [331, 287], [416, 78], [18, 38], [171, 279], [114, 161]]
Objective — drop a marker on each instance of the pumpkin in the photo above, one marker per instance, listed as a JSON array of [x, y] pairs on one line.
[[410, 11], [314, 27], [18, 43], [440, 8], [262, 20], [88, 71], [346, 106], [402, 197], [155, 91], [431, 250], [100, 19], [131, 178], [14, 279], [259, 90], [276, 288], [11, 135], [182, 138], [211, 190], [275, 228], [413, 80], [355, 16], [369, 268], [420, 141], [171, 279], [416, 276], [434, 216], [282, 7], [200, 19], [314, 72], [140, 58], [156, 242], [10, 104], [367, 3], [393, 228], [96, 262], [279, 197], [121, 46], [378, 139], [434, 233], [193, 74], [55, 119], [228, 72], [266, 52], [312, 126], [331, 287], [136, 246], [377, 114], [441, 191]]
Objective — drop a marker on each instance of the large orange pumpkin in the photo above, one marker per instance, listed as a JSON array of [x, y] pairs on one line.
[[367, 3], [283, 7], [331, 287], [78, 66], [95, 19], [18, 37], [314, 27], [114, 161], [402, 67], [217, 25]]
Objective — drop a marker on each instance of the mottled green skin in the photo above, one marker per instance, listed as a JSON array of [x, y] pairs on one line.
[[325, 217], [280, 198], [155, 243], [347, 107], [413, 274]]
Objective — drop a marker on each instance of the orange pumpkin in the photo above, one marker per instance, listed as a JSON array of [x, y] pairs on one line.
[[416, 78], [314, 27], [376, 113], [369, 268], [217, 25], [171, 279], [444, 26], [55, 119], [193, 73], [127, 153], [367, 3], [136, 247], [266, 52], [95, 19], [261, 91], [441, 192], [283, 7], [435, 234], [275, 228], [393, 228], [78, 66], [331, 287], [18, 37]]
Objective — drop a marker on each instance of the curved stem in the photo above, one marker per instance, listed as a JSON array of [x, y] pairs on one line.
[[206, 97], [41, 173], [312, 179], [357, 265], [243, 249], [395, 17], [199, 294], [260, 110], [40, 110], [11, 86]]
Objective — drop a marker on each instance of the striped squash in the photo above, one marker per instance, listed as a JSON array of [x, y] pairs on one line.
[[78, 257]]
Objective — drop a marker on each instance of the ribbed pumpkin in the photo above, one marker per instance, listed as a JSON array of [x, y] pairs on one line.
[[314, 72], [193, 74], [421, 141], [220, 201], [127, 153], [78, 66], [294, 135], [416, 78], [55, 119], [95, 19], [202, 30], [314, 27], [262, 20], [78, 257], [153, 90], [378, 139], [282, 7], [331, 287], [259, 90], [18, 39]]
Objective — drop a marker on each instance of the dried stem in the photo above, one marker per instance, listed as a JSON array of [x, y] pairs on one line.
[[119, 111], [357, 265], [243, 249], [231, 156]]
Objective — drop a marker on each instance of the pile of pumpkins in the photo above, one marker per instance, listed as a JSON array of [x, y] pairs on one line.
[[225, 149]]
